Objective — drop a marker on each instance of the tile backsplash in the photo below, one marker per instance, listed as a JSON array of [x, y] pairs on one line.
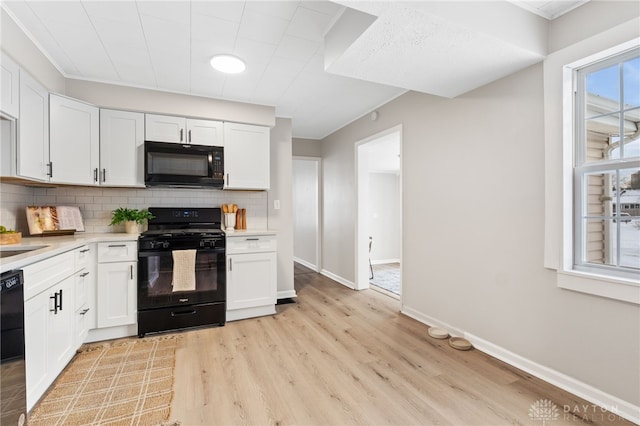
[[96, 204]]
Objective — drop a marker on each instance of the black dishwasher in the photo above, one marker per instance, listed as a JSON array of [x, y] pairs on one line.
[[13, 396]]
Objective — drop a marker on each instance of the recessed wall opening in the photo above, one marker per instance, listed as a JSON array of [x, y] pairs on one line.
[[379, 207]]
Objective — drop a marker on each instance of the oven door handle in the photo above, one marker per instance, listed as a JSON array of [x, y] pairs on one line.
[[179, 313], [154, 253], [218, 250]]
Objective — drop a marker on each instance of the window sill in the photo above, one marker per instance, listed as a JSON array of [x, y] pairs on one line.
[[626, 290]]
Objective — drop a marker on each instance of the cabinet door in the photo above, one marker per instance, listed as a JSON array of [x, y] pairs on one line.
[[121, 148], [251, 280], [60, 331], [73, 141], [205, 132], [9, 87], [117, 292], [49, 340], [33, 129], [246, 156], [165, 128], [36, 319]]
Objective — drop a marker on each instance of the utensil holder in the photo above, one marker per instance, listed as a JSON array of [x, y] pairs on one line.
[[230, 221]]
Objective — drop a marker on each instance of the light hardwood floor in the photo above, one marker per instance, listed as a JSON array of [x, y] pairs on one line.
[[341, 357]]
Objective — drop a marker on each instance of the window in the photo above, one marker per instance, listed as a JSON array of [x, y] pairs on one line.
[[606, 166]]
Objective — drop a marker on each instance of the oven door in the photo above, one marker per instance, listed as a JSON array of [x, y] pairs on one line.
[[155, 279]]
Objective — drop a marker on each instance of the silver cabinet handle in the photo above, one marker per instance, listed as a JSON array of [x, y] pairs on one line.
[[189, 136], [227, 179], [84, 275], [95, 174], [181, 135], [117, 245], [85, 250], [104, 175], [230, 264], [131, 271], [50, 166], [84, 311], [253, 239]]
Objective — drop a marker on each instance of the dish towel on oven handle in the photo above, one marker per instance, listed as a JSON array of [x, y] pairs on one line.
[[184, 270]]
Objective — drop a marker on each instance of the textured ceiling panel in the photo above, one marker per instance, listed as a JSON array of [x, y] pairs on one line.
[[167, 45], [410, 48]]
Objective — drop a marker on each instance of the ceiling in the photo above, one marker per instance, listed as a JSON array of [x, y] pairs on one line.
[[433, 47]]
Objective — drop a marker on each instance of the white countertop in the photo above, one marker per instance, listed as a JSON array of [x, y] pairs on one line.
[[52, 246], [249, 232]]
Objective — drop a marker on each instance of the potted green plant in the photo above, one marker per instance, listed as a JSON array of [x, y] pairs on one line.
[[131, 218]]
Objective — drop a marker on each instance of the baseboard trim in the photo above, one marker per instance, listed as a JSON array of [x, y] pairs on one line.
[[609, 402], [286, 294], [338, 279], [602, 399], [383, 261], [430, 321], [117, 332], [305, 263]]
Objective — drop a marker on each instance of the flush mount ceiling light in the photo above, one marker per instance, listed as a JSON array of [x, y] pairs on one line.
[[228, 64]]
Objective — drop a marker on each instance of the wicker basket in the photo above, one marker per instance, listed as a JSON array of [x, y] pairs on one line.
[[11, 238]]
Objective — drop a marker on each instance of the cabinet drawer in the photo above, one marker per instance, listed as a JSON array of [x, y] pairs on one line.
[[42, 275], [251, 244], [83, 255], [117, 251], [81, 283]]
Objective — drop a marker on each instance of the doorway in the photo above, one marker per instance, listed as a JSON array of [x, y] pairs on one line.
[[306, 211], [379, 212]]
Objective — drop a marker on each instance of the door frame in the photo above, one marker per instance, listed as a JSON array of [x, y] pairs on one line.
[[318, 161], [361, 243]]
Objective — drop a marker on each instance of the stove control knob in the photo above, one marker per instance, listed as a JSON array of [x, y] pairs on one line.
[[165, 244]]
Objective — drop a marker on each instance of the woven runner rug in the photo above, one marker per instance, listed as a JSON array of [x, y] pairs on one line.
[[121, 383]]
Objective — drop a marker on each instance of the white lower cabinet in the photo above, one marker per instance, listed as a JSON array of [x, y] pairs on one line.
[[49, 322], [251, 276], [117, 284], [84, 295], [62, 304]]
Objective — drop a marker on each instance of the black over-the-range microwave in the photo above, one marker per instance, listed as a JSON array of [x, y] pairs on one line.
[[175, 164]]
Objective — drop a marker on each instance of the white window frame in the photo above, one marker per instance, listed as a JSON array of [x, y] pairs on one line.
[[587, 280]]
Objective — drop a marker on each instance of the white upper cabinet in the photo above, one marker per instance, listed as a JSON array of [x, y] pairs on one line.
[[246, 156], [74, 141], [164, 128], [205, 132], [33, 130], [121, 148], [167, 128], [9, 86]]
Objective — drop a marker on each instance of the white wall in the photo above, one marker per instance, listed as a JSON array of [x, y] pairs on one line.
[[16, 44], [473, 220], [307, 147], [305, 211], [134, 99], [281, 219], [384, 213]]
